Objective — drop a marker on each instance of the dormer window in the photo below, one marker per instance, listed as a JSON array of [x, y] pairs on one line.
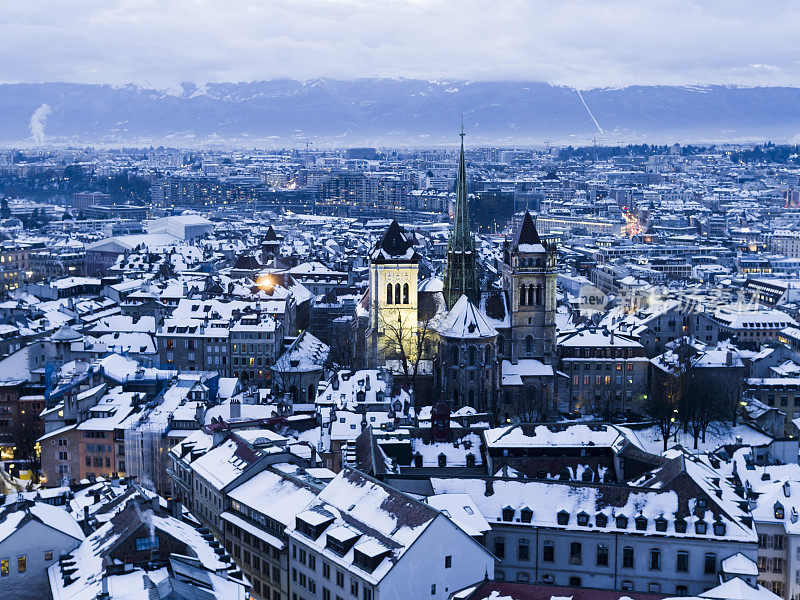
[[583, 519], [622, 522], [368, 558], [641, 523], [701, 527], [779, 512], [719, 528], [601, 520], [508, 514], [341, 539], [562, 517], [526, 515], [661, 524], [311, 524], [680, 525]]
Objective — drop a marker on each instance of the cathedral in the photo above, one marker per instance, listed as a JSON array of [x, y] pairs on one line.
[[492, 346]]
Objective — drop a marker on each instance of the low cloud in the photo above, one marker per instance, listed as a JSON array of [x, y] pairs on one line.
[[582, 43]]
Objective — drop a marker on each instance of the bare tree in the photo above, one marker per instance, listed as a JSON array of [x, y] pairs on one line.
[[25, 441], [662, 405], [530, 405], [730, 389], [342, 353], [701, 405], [603, 406], [407, 344]]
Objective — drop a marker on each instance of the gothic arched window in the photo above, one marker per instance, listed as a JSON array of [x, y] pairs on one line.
[[473, 356], [388, 293], [529, 344], [501, 345], [405, 293], [523, 292], [487, 354], [455, 355], [539, 295], [397, 293]]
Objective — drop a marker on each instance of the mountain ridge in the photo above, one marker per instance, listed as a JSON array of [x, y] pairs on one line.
[[386, 111]]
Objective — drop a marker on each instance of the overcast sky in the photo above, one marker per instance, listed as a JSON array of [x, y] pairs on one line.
[[582, 43]]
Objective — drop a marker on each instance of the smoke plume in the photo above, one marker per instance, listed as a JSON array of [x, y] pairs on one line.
[[38, 121]]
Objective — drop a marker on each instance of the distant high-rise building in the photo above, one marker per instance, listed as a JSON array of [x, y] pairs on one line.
[[362, 153], [82, 200]]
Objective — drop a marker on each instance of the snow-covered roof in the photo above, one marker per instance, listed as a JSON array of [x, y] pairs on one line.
[[460, 509], [738, 589], [431, 284], [547, 500], [350, 390], [739, 564], [274, 495], [306, 353], [556, 436], [384, 521], [513, 374], [465, 321], [14, 516], [769, 318]]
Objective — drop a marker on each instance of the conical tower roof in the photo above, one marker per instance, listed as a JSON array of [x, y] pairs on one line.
[[466, 321], [526, 234], [395, 245]]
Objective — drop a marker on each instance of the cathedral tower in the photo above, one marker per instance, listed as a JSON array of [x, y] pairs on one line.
[[393, 275], [461, 271], [529, 276]]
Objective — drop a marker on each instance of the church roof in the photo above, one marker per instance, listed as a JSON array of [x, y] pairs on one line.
[[466, 321], [271, 235], [247, 262], [527, 235], [395, 245], [66, 334]]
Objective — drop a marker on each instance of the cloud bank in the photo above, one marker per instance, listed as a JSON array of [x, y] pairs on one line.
[[582, 43]]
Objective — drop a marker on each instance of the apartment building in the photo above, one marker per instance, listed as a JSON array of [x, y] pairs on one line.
[[360, 539], [667, 534]]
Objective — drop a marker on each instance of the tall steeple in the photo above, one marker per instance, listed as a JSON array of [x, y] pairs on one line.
[[461, 271]]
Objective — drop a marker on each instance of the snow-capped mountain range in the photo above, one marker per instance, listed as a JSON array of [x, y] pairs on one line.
[[396, 112]]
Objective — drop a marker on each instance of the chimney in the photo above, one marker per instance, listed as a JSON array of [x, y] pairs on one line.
[[236, 410], [787, 489], [489, 488]]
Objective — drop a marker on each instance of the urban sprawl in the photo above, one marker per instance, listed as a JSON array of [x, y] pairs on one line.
[[378, 374]]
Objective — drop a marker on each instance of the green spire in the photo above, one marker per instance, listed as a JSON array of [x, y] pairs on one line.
[[462, 237], [461, 272]]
